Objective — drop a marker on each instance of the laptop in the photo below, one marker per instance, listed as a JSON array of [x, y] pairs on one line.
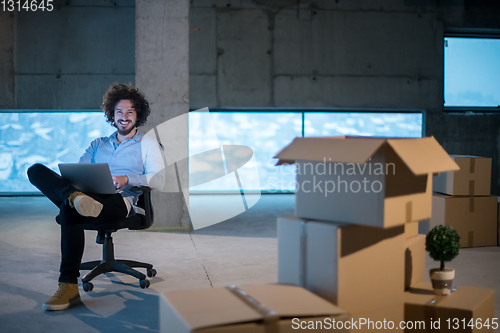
[[89, 177]]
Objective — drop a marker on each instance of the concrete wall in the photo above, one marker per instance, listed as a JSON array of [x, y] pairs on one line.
[[343, 53], [66, 58], [6, 60], [385, 54], [162, 49]]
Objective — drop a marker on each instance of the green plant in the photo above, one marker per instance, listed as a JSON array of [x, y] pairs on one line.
[[442, 243]]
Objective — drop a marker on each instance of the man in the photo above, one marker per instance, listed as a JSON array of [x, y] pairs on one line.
[[133, 159]]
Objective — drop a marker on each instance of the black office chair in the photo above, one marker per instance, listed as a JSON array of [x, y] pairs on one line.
[[137, 221]]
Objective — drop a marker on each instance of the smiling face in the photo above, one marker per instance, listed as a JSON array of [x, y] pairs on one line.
[[125, 117]]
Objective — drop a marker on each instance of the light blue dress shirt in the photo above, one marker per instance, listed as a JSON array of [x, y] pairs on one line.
[[138, 158]]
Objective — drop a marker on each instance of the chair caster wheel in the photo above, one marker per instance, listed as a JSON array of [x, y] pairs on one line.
[[151, 272], [144, 283], [88, 286]]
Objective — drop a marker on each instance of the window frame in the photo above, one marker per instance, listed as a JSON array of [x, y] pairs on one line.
[[316, 109]]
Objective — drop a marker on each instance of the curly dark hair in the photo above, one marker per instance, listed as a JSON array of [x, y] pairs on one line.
[[116, 92]]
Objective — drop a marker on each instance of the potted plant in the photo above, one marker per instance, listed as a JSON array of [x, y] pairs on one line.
[[443, 244]]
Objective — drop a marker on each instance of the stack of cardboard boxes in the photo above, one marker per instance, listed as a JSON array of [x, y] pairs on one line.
[[462, 200], [355, 238], [351, 252]]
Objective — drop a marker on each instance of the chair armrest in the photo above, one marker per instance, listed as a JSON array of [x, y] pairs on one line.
[[141, 189], [148, 205]]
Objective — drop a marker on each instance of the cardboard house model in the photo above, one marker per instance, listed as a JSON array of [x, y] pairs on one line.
[[378, 182]]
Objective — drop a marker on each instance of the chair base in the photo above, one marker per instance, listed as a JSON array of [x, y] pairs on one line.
[[110, 264]]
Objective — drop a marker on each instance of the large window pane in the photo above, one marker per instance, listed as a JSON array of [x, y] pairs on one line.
[[363, 124], [55, 137], [44, 137], [265, 132], [472, 71]]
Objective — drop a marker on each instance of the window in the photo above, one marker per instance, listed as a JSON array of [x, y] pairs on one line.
[[472, 71], [51, 138], [265, 132], [43, 137], [268, 132], [363, 124]]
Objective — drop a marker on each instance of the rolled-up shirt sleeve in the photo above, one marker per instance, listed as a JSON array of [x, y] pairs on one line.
[[154, 168], [89, 154]]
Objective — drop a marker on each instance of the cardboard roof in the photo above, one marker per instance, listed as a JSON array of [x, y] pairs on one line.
[[421, 155], [201, 308]]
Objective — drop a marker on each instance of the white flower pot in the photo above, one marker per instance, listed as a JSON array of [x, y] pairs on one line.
[[442, 280]]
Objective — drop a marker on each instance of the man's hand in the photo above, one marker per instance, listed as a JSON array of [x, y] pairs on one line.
[[120, 181]]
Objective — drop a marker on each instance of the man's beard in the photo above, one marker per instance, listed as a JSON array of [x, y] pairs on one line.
[[126, 132]]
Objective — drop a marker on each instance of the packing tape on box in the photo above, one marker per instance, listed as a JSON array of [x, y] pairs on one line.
[[470, 239], [271, 319], [471, 204], [409, 212], [471, 188], [471, 182], [303, 256]]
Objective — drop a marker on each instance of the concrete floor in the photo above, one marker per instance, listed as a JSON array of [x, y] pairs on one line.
[[238, 251]]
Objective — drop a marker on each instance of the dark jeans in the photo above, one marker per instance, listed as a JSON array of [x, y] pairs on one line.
[[58, 191]]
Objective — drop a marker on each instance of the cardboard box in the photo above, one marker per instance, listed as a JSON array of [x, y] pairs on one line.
[[370, 181], [411, 229], [498, 222], [474, 218], [373, 321], [246, 309], [356, 267], [464, 303], [473, 178], [414, 261]]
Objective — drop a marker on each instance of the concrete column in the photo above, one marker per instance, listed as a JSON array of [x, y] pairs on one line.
[[161, 67], [7, 60]]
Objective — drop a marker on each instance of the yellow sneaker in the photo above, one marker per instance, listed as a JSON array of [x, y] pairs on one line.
[[66, 296]]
